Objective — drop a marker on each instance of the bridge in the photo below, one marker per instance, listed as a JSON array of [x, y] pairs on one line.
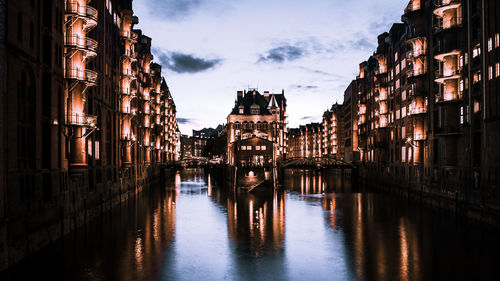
[[315, 162]]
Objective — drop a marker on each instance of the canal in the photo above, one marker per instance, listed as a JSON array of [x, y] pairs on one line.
[[317, 228]]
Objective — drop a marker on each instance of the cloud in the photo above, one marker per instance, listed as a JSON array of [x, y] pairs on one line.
[[306, 118], [185, 63], [283, 53], [184, 120], [306, 87], [179, 9]]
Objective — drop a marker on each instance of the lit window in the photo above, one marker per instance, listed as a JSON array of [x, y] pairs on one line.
[[403, 95], [490, 44], [461, 85], [403, 154], [462, 115], [243, 147], [476, 52], [490, 72], [397, 69], [461, 61], [249, 147], [257, 147], [497, 40], [396, 56], [497, 69], [263, 147]]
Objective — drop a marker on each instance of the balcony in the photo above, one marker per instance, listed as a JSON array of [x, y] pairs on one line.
[[82, 120], [444, 5], [412, 54], [443, 55], [84, 75], [83, 43], [449, 96], [411, 72], [89, 14], [443, 74], [443, 24], [413, 6], [417, 108]]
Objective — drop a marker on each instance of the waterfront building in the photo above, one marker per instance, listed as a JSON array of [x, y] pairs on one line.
[[307, 141], [427, 106], [88, 117], [261, 118]]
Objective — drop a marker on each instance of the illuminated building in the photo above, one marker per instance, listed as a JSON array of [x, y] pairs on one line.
[[261, 117], [87, 120]]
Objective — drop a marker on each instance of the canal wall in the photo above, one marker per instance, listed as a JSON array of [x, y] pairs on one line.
[[463, 196], [43, 207]]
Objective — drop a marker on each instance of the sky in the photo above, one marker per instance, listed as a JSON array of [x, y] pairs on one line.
[[209, 49]]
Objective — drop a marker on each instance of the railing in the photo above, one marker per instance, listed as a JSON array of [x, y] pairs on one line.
[[414, 5], [449, 96], [82, 75], [412, 72], [81, 42], [73, 7], [446, 72], [442, 3], [414, 54], [442, 24], [81, 120]]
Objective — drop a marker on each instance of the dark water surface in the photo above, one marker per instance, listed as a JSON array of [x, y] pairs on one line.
[[318, 228]]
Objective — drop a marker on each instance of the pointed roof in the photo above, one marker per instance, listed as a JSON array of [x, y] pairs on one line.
[[272, 102]]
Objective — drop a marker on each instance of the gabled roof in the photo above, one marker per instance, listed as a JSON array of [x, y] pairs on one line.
[[253, 98]]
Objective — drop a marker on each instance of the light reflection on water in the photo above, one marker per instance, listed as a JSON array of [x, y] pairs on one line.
[[319, 228]]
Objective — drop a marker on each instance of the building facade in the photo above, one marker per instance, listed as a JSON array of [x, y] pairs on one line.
[[86, 117], [258, 115]]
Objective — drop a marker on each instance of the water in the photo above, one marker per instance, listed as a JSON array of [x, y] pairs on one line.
[[319, 228]]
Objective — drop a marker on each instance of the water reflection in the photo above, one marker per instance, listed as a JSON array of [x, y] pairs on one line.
[[316, 229]]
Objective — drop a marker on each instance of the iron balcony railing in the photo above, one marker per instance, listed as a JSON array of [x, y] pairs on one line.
[[442, 3], [442, 24], [81, 120], [414, 5], [74, 7], [446, 72], [85, 75], [81, 42]]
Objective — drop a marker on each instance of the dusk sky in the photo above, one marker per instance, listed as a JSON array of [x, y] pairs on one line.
[[209, 49]]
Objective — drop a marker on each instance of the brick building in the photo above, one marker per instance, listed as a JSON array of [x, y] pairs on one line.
[[86, 117], [257, 115]]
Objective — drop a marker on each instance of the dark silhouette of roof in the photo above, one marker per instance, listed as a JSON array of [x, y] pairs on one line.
[[254, 99]]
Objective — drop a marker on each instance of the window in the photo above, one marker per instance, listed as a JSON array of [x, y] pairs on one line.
[[497, 40], [461, 61], [461, 115], [249, 147], [403, 132], [461, 85], [403, 95], [257, 147], [497, 69], [476, 52], [490, 44], [490, 72], [243, 147], [397, 69], [396, 56], [403, 154], [262, 147]]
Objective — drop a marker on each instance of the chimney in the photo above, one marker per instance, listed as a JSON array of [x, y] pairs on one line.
[[266, 95], [240, 95]]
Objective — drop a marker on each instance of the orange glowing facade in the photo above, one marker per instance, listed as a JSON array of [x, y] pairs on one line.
[[88, 117]]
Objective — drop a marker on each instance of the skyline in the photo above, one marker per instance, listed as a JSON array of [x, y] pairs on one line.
[[273, 49]]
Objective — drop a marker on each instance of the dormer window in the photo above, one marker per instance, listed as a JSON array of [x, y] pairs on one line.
[[241, 109], [254, 109]]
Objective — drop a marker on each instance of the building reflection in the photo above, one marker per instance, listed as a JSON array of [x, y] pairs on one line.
[[155, 232], [257, 220], [308, 182]]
